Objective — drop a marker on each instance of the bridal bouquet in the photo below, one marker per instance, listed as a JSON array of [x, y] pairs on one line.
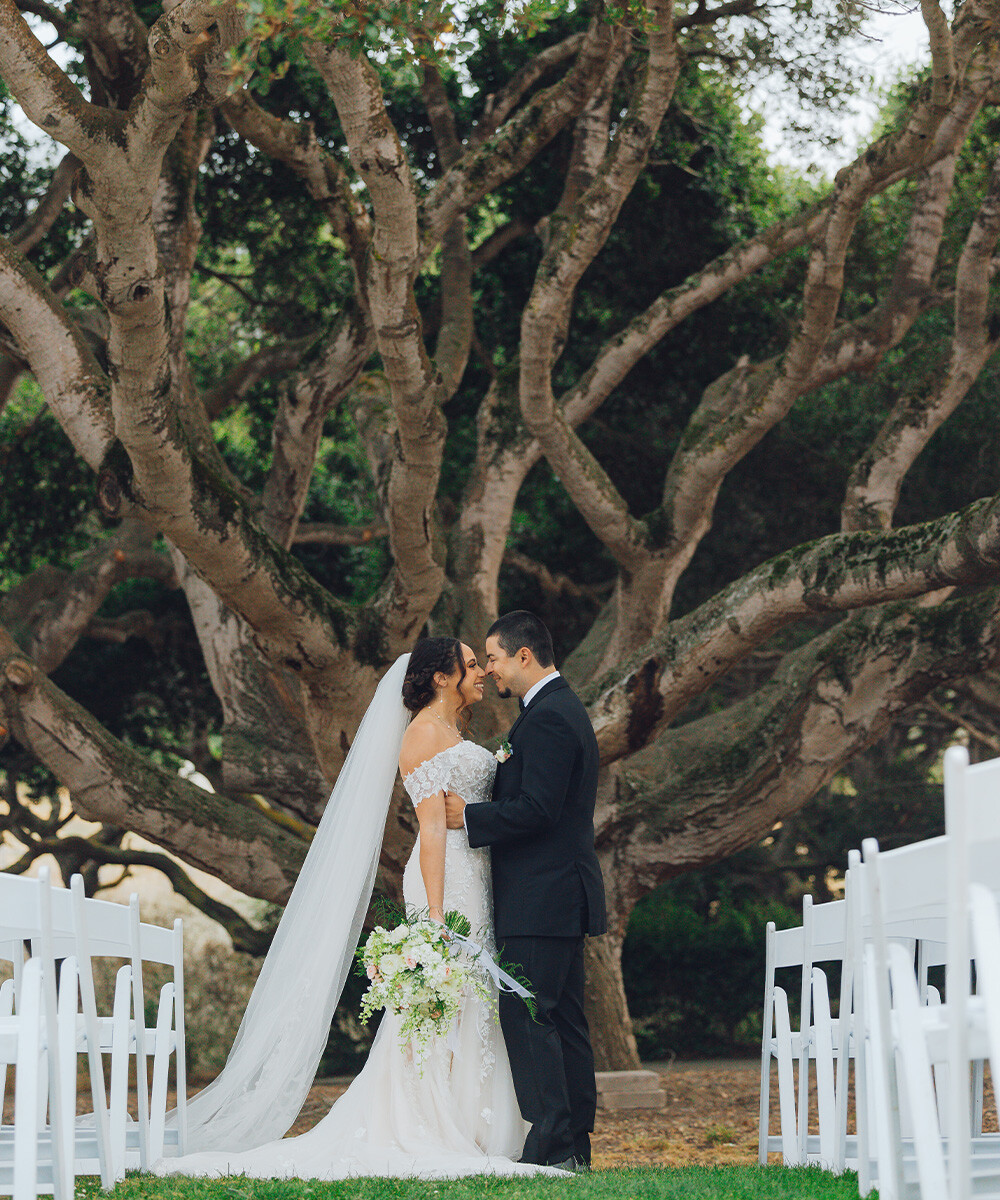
[[418, 970]]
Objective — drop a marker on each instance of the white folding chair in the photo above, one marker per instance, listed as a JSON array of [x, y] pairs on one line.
[[110, 930], [104, 1143], [830, 1042], [972, 823], [165, 947], [923, 890], [985, 915], [108, 1144], [36, 1038], [820, 939], [35, 1164], [779, 1044]]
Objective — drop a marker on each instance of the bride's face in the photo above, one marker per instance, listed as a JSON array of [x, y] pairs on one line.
[[470, 689]]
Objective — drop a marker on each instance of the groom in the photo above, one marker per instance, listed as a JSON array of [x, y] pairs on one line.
[[548, 891]]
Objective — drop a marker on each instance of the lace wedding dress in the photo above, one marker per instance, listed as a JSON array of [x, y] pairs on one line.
[[458, 1115]]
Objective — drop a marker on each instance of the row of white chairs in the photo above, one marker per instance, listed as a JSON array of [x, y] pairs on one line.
[[51, 1022], [916, 1063]]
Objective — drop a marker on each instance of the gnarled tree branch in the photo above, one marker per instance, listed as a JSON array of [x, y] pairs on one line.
[[834, 574], [51, 609], [486, 165], [48, 209], [706, 790], [575, 238], [111, 783], [414, 386], [873, 489], [60, 356]]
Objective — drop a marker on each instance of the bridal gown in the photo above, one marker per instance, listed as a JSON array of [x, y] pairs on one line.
[[456, 1116]]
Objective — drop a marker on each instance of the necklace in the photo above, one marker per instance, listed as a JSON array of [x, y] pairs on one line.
[[450, 728]]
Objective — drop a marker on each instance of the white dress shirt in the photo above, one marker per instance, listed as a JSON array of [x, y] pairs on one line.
[[533, 691]]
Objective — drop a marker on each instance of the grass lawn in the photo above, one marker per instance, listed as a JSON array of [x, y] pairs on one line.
[[654, 1183]]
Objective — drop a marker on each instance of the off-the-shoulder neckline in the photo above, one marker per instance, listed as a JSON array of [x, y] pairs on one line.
[[446, 750]]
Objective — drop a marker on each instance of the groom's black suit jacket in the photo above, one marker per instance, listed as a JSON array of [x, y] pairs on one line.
[[547, 881]]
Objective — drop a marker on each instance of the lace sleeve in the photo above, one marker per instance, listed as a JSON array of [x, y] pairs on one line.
[[431, 776]]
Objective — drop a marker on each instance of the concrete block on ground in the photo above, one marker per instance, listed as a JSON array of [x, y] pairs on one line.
[[619, 1091]]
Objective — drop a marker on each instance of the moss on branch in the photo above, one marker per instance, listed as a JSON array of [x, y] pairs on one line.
[[704, 774]]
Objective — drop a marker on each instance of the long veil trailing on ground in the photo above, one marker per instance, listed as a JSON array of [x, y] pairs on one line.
[[284, 1030]]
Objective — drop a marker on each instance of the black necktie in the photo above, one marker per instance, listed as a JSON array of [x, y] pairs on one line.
[[520, 704]]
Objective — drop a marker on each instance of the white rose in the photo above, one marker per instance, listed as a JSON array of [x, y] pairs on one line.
[[391, 964]]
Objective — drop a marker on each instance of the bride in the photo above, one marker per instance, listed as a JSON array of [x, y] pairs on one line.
[[455, 1114]]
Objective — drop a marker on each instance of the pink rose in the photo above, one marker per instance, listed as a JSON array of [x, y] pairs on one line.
[[410, 962], [372, 971]]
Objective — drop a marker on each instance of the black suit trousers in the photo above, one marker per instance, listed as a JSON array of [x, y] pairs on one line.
[[551, 1058]]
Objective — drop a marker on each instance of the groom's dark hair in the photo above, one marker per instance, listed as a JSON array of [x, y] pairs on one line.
[[522, 628]]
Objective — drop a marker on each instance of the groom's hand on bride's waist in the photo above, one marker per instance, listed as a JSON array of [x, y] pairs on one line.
[[454, 807]]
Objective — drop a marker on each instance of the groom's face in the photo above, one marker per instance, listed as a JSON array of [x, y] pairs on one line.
[[504, 669]]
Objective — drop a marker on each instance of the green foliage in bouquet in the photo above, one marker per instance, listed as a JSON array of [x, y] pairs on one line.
[[458, 923]]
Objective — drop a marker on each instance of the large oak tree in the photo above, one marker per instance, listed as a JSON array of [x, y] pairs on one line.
[[886, 615]]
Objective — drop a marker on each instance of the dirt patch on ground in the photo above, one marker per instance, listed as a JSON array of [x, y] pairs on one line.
[[710, 1116]]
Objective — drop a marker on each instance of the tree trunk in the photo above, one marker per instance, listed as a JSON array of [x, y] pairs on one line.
[[606, 1006]]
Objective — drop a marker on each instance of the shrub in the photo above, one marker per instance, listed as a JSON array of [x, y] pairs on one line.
[[694, 980]]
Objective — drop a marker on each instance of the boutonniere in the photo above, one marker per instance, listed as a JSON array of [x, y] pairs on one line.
[[505, 752]]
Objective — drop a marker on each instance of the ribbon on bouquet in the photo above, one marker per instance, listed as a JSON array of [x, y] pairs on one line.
[[504, 981]]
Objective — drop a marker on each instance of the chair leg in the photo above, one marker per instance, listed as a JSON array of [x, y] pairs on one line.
[[180, 1068], [28, 1090], [786, 1083], [6, 1010], [67, 1071], [763, 1124], [845, 1026], [42, 1093], [978, 1074]]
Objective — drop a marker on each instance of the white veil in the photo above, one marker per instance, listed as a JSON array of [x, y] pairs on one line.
[[284, 1030]]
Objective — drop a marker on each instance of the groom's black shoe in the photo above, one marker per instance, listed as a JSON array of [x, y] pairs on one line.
[[571, 1165]]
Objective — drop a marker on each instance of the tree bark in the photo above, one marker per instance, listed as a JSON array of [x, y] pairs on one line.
[[606, 1006]]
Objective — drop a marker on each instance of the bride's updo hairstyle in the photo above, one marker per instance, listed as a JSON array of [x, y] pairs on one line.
[[427, 657]]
